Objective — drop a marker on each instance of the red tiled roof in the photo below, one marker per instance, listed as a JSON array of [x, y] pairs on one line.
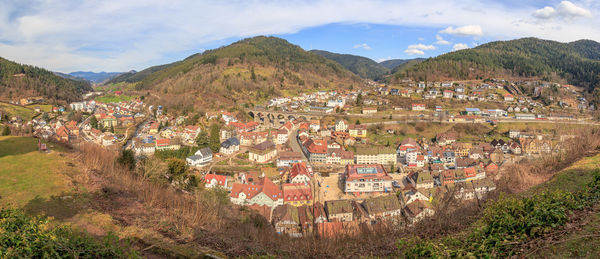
[[221, 179], [298, 169], [296, 192]]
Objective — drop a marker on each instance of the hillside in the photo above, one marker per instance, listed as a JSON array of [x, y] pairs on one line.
[[19, 81], [361, 66], [246, 72], [577, 62], [392, 64], [135, 76], [95, 77]]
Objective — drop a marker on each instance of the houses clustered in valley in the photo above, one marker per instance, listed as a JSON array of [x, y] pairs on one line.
[[60, 123]]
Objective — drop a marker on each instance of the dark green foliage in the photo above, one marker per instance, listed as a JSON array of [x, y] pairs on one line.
[[94, 122], [6, 131], [133, 76], [361, 66], [394, 63], [176, 167], [38, 81], [509, 222], [577, 62], [23, 236], [215, 140], [181, 153], [127, 159], [202, 140]]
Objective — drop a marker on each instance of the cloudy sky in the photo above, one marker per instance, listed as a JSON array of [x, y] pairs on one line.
[[120, 35]]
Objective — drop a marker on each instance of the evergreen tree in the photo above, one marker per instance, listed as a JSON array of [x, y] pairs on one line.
[[202, 139], [94, 122], [6, 131], [127, 159], [215, 140]]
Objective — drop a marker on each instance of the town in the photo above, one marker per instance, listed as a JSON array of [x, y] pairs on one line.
[[332, 162]]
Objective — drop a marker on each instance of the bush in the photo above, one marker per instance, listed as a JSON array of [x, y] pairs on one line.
[[23, 236]]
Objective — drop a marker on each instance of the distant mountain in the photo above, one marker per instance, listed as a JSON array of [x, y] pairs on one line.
[[362, 66], [246, 72], [19, 81], [94, 77], [576, 62], [394, 63]]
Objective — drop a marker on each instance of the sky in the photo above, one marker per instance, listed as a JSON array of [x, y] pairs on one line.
[[118, 35]]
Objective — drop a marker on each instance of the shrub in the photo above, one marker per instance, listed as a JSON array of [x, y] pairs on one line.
[[23, 236]]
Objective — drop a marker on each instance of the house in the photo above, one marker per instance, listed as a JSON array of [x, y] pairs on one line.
[[214, 180], [512, 133], [418, 107], [281, 137], [366, 178], [286, 220], [369, 110], [107, 140], [262, 152], [297, 194], [375, 155], [168, 144], [448, 94], [422, 180], [341, 125], [357, 131], [300, 173], [230, 146], [261, 192], [418, 210], [287, 159], [509, 97], [201, 157], [339, 210], [315, 150], [447, 138], [382, 207], [252, 138]]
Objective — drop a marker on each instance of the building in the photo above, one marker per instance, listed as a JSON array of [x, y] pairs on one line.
[[262, 152], [263, 192], [300, 173], [382, 207], [418, 107], [286, 159], [366, 179], [201, 157], [230, 146], [341, 125], [339, 210], [315, 150], [369, 110], [357, 131], [376, 155], [297, 194], [168, 144], [214, 180]]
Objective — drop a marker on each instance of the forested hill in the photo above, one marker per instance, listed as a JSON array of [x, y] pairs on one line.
[[394, 63], [362, 66], [246, 72], [19, 81], [577, 62]]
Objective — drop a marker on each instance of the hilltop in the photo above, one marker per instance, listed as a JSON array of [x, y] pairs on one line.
[[361, 66], [95, 77], [247, 71], [20, 81], [575, 62]]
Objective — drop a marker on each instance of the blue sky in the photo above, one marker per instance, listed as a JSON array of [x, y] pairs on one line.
[[117, 35]]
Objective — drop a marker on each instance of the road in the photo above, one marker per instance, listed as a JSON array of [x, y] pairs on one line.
[[293, 139]]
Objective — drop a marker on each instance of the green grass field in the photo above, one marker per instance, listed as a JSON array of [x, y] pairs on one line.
[[109, 98], [43, 107], [26, 174], [16, 110]]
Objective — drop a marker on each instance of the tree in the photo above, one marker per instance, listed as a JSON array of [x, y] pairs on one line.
[[45, 116], [215, 140], [357, 122], [202, 139], [127, 159], [94, 122], [176, 168], [6, 131], [359, 99], [112, 129]]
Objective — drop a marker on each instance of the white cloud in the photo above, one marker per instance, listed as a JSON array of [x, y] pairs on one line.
[[459, 46], [565, 10], [467, 30], [441, 41], [422, 46], [414, 52], [117, 35], [421, 39], [544, 13], [418, 49], [362, 46], [570, 10]]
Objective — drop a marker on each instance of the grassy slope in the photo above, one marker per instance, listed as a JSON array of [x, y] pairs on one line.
[[16, 110], [26, 173]]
